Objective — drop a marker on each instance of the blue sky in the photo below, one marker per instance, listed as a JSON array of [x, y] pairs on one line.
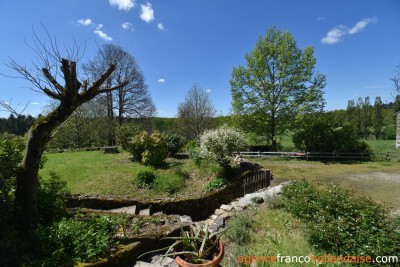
[[180, 42]]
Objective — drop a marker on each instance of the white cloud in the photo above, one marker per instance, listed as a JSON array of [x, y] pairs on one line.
[[161, 26], [103, 35], [361, 25], [208, 90], [321, 18], [123, 4], [161, 80], [35, 103], [335, 35], [147, 13], [85, 22], [127, 26]]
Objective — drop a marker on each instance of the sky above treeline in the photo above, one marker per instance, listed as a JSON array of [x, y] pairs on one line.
[[178, 43]]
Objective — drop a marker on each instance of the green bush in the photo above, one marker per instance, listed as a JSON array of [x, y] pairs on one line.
[[174, 144], [148, 149], [215, 183], [318, 134], [145, 178], [340, 223], [51, 203], [71, 240], [124, 133], [11, 149], [170, 183]]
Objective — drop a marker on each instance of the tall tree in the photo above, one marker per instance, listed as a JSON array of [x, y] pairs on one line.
[[366, 116], [195, 113], [378, 118], [358, 116], [130, 101], [277, 84], [396, 87], [350, 111], [45, 76]]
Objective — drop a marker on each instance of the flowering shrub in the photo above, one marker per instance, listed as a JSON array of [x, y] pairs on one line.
[[148, 149], [220, 144]]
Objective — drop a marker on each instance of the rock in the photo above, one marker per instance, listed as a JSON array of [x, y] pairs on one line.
[[219, 211], [226, 207], [143, 264], [219, 221], [145, 212], [213, 227], [257, 200], [186, 220], [164, 261], [131, 210], [213, 217], [226, 215]]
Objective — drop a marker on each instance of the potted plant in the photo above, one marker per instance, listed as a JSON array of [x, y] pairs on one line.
[[196, 247]]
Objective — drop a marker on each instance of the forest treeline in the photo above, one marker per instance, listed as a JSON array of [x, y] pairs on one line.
[[370, 120]]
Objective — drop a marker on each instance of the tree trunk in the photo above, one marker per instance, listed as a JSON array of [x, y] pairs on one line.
[[26, 213]]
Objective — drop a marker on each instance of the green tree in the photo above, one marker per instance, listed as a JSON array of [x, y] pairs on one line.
[[350, 111], [278, 83], [378, 118]]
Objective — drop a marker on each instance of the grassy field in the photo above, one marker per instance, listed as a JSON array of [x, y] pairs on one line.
[[382, 145], [91, 172], [379, 180], [113, 174]]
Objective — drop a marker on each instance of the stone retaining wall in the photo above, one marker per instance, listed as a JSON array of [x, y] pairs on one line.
[[199, 208]]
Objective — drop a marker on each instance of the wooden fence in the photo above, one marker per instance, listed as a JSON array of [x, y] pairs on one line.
[[259, 180], [323, 155]]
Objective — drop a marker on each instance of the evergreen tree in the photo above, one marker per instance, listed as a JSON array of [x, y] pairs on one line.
[[378, 118], [350, 112]]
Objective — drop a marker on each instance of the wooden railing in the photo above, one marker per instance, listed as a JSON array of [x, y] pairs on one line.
[[258, 180], [323, 155]]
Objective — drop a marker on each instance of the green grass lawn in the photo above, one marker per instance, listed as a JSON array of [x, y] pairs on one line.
[[113, 174], [382, 145], [91, 172]]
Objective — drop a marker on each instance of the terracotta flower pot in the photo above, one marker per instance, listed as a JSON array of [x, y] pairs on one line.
[[214, 262]]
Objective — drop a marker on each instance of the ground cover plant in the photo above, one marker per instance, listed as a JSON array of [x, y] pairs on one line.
[[264, 231], [340, 223]]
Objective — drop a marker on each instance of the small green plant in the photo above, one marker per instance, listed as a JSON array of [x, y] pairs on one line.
[[274, 201], [145, 178], [240, 226], [216, 183], [51, 202], [170, 183], [72, 240]]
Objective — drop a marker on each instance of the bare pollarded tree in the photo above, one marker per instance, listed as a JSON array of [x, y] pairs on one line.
[[130, 101], [54, 74], [195, 113]]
